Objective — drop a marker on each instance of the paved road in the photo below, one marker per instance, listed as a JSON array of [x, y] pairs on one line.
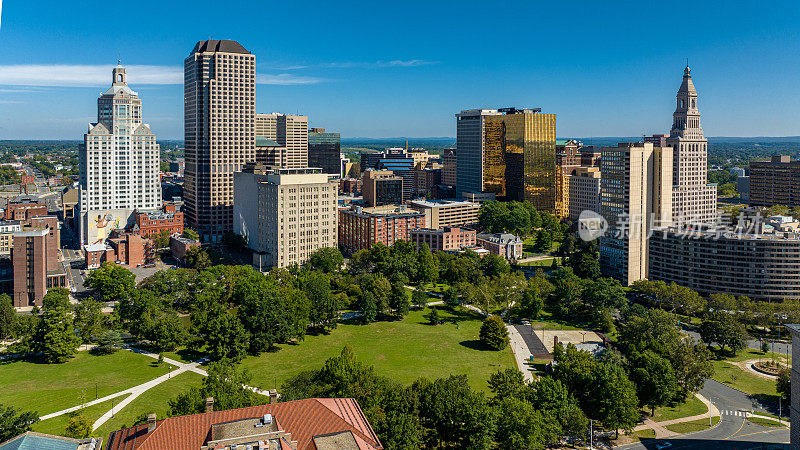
[[733, 432], [755, 344]]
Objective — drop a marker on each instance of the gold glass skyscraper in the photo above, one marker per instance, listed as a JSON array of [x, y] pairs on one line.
[[519, 160]]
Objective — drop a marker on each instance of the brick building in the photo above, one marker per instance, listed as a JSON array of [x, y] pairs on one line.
[[381, 187], [34, 258], [503, 244], [360, 228], [444, 239], [775, 182], [153, 222], [23, 208], [126, 248]]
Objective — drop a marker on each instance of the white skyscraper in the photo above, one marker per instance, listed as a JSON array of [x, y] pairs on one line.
[[119, 163], [290, 132], [693, 199]]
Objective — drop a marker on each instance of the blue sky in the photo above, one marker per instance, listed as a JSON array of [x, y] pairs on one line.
[[369, 69]]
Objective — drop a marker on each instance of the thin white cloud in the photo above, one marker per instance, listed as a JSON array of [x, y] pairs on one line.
[[100, 75], [10, 102], [287, 79], [381, 64]]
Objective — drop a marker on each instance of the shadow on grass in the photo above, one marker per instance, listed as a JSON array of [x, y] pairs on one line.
[[475, 344]]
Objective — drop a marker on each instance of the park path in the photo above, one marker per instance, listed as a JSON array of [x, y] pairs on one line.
[[134, 392], [660, 427], [522, 353]]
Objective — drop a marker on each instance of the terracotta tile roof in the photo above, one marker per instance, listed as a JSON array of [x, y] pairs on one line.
[[304, 419]]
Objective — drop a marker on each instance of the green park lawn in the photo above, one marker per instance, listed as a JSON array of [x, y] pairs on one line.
[[47, 388], [56, 425], [766, 422], [154, 400], [747, 382], [400, 350], [691, 407], [694, 425], [435, 287]]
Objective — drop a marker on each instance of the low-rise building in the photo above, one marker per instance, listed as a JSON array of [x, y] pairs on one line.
[[444, 239], [446, 213], [506, 245], [350, 186], [179, 246], [284, 215], [314, 423], [34, 440], [24, 207], [151, 223], [361, 228]]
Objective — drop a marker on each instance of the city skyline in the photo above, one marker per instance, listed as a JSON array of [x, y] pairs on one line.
[[405, 71]]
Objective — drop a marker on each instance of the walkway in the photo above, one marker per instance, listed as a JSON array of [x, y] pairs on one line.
[[136, 391], [661, 427], [521, 352]]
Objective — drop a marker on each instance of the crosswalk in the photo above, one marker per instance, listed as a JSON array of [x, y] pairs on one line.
[[728, 412]]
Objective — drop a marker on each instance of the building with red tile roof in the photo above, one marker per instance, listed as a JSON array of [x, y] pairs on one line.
[[310, 424]]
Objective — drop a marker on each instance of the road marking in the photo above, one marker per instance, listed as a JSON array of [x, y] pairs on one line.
[[764, 431], [737, 431]]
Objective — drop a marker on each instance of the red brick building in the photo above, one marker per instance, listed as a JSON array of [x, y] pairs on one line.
[[360, 228], [351, 186], [444, 239], [179, 246], [34, 259], [27, 179], [126, 248], [314, 423], [151, 223], [24, 208]]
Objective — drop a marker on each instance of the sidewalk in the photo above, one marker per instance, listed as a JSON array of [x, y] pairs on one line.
[[521, 352], [660, 427]]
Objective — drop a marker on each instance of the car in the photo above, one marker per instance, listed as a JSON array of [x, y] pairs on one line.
[[662, 445]]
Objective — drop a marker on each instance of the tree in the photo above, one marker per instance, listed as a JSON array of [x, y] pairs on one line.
[[111, 283], [78, 427], [227, 338], [451, 297], [324, 312], [692, 364], [88, 319], [161, 239], [784, 384], [531, 302], [8, 316], [544, 241], [614, 397], [764, 346], [14, 422], [455, 415], [433, 316], [428, 265], [507, 383], [722, 328], [54, 336], [56, 298], [189, 233], [167, 332], [227, 384], [493, 333], [586, 265], [398, 300], [494, 265], [419, 298], [604, 293], [368, 307], [521, 426], [326, 259], [272, 311], [197, 258], [655, 380]]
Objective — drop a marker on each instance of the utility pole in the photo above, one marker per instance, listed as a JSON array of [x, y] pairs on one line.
[[591, 434]]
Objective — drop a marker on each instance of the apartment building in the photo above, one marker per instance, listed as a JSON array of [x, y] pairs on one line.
[[290, 132], [775, 182], [7, 230], [284, 214], [635, 197], [34, 258], [446, 213], [381, 187], [582, 190], [444, 239], [361, 228]]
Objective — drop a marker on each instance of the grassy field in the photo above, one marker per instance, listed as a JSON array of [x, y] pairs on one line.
[[402, 350], [546, 321], [694, 425], [153, 400], [543, 262], [436, 287], [747, 382], [47, 388], [56, 425], [691, 407], [766, 422], [645, 434]]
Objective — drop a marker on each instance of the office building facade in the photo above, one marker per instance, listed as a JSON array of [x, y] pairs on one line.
[[119, 163], [511, 153], [284, 214], [635, 196], [445, 239], [381, 187], [694, 200], [361, 228], [219, 113], [775, 182], [290, 132], [449, 168], [447, 213], [325, 151], [582, 190]]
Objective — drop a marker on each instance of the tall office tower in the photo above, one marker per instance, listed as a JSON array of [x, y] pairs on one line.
[[291, 134], [774, 182], [219, 110], [285, 214], [509, 152], [635, 197], [449, 167], [382, 187], [324, 150], [694, 200], [119, 163]]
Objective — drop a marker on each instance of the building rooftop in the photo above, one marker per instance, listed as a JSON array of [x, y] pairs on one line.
[[441, 203], [223, 45], [794, 328], [40, 441], [502, 238], [731, 233]]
